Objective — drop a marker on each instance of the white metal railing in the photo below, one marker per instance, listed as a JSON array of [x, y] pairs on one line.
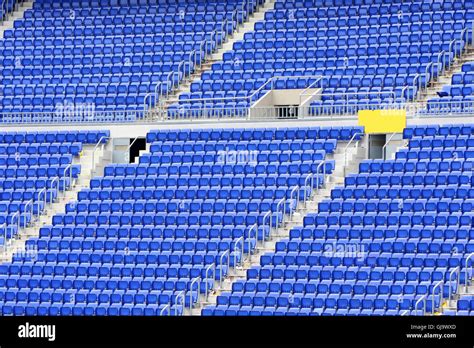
[[25, 215], [254, 227], [38, 204], [211, 267], [221, 271], [438, 285], [264, 236], [354, 137], [65, 187], [166, 307], [423, 300], [333, 110], [281, 205], [241, 241], [5, 236], [191, 291], [466, 271], [384, 148], [180, 296], [456, 271], [100, 142]]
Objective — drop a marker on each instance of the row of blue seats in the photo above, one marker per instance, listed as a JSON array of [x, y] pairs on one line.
[[23, 161], [247, 167], [151, 193], [335, 8], [196, 234], [429, 178], [118, 19], [63, 9], [257, 134], [18, 149], [452, 153], [415, 233], [173, 42], [172, 206], [26, 195], [376, 245], [84, 137], [352, 12], [441, 141], [90, 310], [150, 30], [50, 171], [102, 299], [465, 303], [392, 219], [385, 61], [171, 219], [405, 192], [415, 166], [372, 24], [276, 146], [395, 205], [35, 183]]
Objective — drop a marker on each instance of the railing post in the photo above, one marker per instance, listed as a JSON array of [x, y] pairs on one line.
[[466, 269], [221, 273], [5, 235], [58, 189], [145, 104], [269, 215], [197, 279], [306, 196], [44, 191], [297, 190], [437, 285], [181, 295], [318, 170], [384, 148], [282, 201], [254, 227], [422, 298], [212, 267], [70, 176], [241, 240], [18, 219], [456, 271], [164, 308], [93, 155], [347, 146], [25, 220]]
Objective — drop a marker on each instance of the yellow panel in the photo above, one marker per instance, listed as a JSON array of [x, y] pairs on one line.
[[383, 121]]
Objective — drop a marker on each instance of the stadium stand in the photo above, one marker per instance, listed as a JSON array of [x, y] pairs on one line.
[[368, 53], [392, 235], [34, 168], [181, 224], [146, 238], [106, 55]]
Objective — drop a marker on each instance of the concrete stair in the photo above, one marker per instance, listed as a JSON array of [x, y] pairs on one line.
[[446, 78], [17, 244], [355, 154], [435, 86]]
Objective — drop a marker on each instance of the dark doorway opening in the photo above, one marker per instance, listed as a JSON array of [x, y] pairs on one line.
[[139, 144]]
